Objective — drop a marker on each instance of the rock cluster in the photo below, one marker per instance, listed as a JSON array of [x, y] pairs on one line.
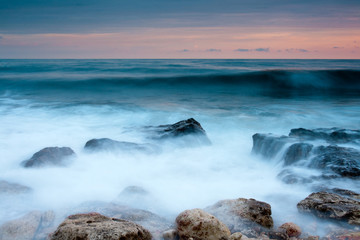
[[301, 149]]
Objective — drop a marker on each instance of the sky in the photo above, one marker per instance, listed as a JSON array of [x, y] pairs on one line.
[[180, 29]]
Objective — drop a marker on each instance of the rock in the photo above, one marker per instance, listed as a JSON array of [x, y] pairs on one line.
[[188, 130], [268, 145], [96, 226], [200, 225], [247, 216], [13, 188], [152, 222], [340, 160], [107, 144], [333, 135], [296, 152], [236, 236], [331, 206], [32, 226], [135, 196], [170, 235], [347, 193], [291, 229], [275, 235], [50, 156], [288, 176]]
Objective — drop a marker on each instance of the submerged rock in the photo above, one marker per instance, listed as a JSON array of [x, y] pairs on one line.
[[347, 193], [33, 226], [50, 156], [96, 226], [107, 144], [13, 188], [247, 216], [200, 225], [190, 130], [331, 206]]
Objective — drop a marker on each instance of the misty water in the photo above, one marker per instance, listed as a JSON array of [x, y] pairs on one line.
[[45, 103]]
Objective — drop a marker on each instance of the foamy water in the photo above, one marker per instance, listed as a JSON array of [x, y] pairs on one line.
[[177, 178]]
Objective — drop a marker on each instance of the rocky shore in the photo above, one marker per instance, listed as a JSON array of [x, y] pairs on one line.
[[331, 152]]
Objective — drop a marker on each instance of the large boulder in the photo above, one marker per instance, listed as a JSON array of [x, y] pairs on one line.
[[200, 225], [188, 130], [154, 223], [247, 216], [50, 156], [33, 226], [340, 160], [96, 226], [331, 206], [107, 144], [13, 188]]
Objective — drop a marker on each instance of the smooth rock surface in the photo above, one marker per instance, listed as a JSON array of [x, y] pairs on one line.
[[200, 225], [92, 226], [331, 206], [50, 156]]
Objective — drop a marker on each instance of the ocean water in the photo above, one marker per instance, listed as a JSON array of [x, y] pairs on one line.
[[46, 103]]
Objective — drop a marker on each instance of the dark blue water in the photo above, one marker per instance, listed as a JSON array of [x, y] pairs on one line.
[[67, 102]]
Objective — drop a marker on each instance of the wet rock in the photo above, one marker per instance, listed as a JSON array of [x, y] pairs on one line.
[[200, 225], [291, 229], [344, 236], [50, 156], [347, 193], [32, 226], [268, 145], [247, 216], [96, 226], [170, 235], [276, 235], [288, 176], [333, 135], [331, 206], [107, 144], [188, 130], [152, 222], [296, 152], [13, 188], [340, 160]]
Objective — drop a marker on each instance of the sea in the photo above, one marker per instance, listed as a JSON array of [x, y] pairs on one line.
[[65, 103]]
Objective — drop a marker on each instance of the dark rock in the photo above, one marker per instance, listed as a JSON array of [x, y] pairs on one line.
[[268, 145], [340, 160], [296, 152], [288, 176], [291, 229], [247, 216], [32, 226], [347, 193], [334, 135], [96, 226], [189, 129], [50, 156], [107, 144], [13, 188], [331, 206], [276, 235]]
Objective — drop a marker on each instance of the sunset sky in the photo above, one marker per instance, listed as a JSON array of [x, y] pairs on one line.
[[179, 29]]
